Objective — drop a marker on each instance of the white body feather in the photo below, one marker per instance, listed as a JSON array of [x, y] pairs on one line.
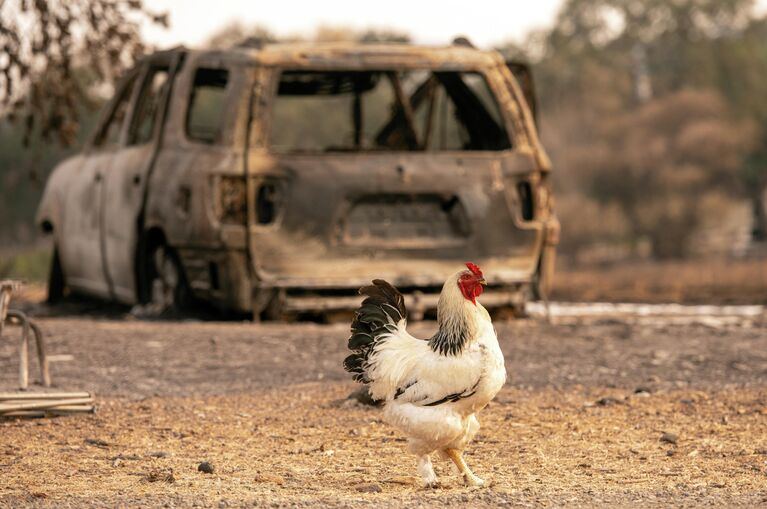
[[409, 374]]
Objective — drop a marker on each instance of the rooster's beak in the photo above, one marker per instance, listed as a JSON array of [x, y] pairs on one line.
[[482, 282]]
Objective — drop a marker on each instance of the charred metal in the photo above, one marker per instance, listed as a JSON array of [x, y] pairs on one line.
[[283, 178]]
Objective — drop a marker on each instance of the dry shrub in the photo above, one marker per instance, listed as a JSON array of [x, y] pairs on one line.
[[653, 164], [586, 223]]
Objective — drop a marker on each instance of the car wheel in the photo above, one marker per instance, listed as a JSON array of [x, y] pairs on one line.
[[169, 288], [56, 281]]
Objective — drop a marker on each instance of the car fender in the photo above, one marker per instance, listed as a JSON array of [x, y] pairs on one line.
[[50, 211]]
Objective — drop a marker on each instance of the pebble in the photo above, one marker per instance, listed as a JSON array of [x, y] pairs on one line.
[[97, 442], [270, 478], [669, 438], [368, 488], [206, 467]]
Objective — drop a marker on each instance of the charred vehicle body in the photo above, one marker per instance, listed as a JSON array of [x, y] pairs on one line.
[[283, 178]]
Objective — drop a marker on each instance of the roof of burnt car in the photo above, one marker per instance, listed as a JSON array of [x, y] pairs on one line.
[[344, 53]]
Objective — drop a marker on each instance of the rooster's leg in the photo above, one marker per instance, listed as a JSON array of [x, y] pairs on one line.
[[468, 476], [428, 476]]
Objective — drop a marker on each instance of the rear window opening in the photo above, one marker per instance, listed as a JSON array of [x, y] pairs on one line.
[[205, 115], [352, 111]]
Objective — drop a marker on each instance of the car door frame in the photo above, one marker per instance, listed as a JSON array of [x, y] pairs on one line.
[[78, 236], [127, 180]]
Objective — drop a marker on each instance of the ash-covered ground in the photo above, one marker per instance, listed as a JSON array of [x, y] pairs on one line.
[[588, 400]]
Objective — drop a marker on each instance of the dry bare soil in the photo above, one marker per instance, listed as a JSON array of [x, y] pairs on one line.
[[702, 281], [580, 422]]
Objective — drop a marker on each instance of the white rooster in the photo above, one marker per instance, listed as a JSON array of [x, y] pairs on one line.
[[432, 389]]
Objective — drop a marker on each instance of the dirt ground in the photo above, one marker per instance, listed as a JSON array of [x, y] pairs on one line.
[[579, 423], [701, 281]]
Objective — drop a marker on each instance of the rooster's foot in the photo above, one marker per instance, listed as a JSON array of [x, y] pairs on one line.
[[470, 479]]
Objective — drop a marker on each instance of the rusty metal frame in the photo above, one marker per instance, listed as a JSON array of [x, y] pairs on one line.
[[19, 318]]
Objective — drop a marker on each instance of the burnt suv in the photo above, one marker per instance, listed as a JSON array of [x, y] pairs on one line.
[[279, 179]]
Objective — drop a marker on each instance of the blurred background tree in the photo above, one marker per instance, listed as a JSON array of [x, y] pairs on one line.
[[652, 113], [58, 64], [61, 54]]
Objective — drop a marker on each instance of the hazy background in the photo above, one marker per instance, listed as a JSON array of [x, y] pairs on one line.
[[653, 112]]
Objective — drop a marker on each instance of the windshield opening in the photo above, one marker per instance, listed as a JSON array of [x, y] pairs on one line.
[[352, 111]]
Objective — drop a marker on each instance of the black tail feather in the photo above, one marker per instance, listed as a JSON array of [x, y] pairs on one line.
[[383, 305]]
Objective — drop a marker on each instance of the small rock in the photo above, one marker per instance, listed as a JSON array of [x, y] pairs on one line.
[[161, 476], [669, 438], [206, 467], [158, 454], [642, 389], [270, 478], [124, 457], [739, 366], [368, 487], [609, 402], [97, 442]]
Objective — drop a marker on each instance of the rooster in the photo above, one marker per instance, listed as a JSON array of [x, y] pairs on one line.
[[432, 389]]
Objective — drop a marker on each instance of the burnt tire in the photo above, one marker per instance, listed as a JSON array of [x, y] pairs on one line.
[[56, 282], [169, 290]]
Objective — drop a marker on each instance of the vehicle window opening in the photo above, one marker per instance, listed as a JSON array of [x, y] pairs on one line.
[[415, 110], [110, 134], [527, 207], [148, 106], [213, 275], [205, 113], [267, 203]]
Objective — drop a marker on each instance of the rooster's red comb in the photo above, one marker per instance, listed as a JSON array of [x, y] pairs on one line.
[[474, 269]]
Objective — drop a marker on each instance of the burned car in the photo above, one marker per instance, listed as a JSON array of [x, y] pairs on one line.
[[280, 179]]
